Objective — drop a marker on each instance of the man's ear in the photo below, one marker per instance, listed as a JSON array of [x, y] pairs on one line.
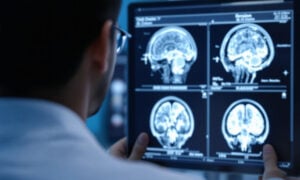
[[100, 50]]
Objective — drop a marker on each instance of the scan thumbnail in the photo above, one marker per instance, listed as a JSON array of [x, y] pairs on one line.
[[245, 50], [171, 52], [245, 123], [171, 122]]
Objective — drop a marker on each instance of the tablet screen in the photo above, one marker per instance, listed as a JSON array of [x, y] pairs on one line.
[[211, 83]]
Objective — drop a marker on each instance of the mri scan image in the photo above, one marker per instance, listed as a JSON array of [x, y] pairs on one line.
[[245, 123], [171, 122], [171, 52], [245, 50]]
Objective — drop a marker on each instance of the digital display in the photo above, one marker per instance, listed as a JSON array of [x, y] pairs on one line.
[[212, 83]]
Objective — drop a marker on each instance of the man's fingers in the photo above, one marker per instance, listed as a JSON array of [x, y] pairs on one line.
[[119, 149], [139, 147], [270, 163], [270, 158]]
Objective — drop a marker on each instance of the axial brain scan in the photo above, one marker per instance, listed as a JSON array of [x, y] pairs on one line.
[[245, 123], [171, 122], [245, 50], [171, 51]]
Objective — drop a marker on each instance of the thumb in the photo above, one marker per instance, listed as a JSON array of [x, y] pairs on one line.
[[270, 164], [139, 147]]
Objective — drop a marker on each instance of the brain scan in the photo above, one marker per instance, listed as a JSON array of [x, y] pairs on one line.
[[171, 51], [171, 122], [245, 50], [245, 123]]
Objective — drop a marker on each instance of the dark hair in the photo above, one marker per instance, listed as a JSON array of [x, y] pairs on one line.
[[42, 41]]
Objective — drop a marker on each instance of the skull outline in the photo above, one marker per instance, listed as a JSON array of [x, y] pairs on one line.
[[171, 122], [245, 123], [246, 49], [171, 51]]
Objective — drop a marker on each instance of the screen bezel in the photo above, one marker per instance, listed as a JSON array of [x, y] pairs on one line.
[[131, 131]]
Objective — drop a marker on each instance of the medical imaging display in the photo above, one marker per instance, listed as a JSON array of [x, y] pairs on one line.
[[211, 84], [171, 52]]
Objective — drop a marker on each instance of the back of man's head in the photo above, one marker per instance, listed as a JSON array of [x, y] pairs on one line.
[[43, 41]]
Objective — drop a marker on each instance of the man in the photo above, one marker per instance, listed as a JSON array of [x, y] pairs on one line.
[[57, 59]]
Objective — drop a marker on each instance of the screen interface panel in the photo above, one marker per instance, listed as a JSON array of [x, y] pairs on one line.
[[213, 83]]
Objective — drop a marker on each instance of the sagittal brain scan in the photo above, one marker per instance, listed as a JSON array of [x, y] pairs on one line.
[[171, 51], [171, 122], [245, 123], [245, 50]]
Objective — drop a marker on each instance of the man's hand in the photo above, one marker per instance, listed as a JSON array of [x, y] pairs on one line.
[[270, 163], [120, 148]]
